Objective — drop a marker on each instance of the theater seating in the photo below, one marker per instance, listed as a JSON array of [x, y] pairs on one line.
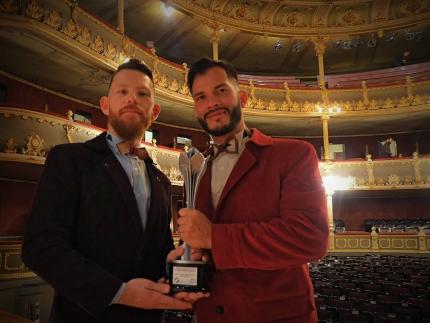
[[372, 289], [396, 225]]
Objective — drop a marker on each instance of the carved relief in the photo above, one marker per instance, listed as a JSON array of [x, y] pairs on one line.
[[8, 6], [242, 11], [408, 180], [68, 129], [292, 19], [285, 106], [10, 146], [34, 10], [84, 36], [34, 146], [388, 104], [155, 62], [272, 105], [349, 17], [174, 86], [259, 104], [412, 7], [184, 89], [97, 44], [162, 81], [394, 180], [110, 51], [54, 19], [70, 29], [121, 57]]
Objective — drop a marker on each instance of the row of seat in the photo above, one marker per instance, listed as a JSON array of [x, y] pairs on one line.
[[372, 288], [396, 225]]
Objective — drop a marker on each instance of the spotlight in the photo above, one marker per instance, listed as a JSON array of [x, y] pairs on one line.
[[337, 43], [371, 42], [277, 46], [409, 35], [297, 47], [390, 38], [168, 10]]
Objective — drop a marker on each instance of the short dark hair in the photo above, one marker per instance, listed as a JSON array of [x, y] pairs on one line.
[[203, 64], [136, 65]]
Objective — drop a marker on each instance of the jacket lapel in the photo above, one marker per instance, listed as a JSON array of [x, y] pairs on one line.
[[157, 198], [243, 165], [114, 169], [246, 161]]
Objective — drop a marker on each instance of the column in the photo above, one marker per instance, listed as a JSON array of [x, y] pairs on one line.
[[121, 16], [325, 118], [215, 38], [329, 195], [320, 50]]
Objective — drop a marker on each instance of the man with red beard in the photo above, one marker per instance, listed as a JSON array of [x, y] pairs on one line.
[[260, 213], [99, 228]]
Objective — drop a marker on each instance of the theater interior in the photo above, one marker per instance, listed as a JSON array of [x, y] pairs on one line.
[[350, 77]]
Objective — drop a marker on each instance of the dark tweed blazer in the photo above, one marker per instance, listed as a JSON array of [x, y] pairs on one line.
[[84, 235]]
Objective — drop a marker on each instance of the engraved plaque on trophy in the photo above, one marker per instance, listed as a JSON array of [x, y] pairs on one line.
[[186, 274]]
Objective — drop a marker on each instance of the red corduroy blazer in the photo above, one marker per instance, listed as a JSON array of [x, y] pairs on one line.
[[270, 221]]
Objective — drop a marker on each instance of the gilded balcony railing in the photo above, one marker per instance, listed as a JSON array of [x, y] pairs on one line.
[[66, 25]]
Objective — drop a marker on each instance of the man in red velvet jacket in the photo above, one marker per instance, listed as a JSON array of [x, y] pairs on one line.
[[260, 211]]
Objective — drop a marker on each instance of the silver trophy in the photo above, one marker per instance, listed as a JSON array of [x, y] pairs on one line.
[[186, 274]]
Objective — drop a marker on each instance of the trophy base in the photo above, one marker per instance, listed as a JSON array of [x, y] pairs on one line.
[[189, 276]]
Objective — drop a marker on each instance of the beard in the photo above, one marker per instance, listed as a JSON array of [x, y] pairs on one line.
[[235, 117], [129, 129]]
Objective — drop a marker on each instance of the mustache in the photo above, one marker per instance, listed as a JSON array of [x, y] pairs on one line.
[[214, 111], [130, 108]]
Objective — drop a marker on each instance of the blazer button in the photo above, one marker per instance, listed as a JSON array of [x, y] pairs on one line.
[[219, 309]]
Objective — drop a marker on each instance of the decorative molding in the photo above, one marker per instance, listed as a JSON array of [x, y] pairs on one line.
[[11, 265], [108, 50], [382, 243], [34, 152], [300, 19]]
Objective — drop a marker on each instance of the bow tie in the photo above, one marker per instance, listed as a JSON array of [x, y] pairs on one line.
[[125, 148], [214, 150]]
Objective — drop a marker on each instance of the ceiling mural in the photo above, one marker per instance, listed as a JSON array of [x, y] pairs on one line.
[[269, 37], [296, 18]]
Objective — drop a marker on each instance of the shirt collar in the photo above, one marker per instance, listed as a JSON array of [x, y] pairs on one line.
[[113, 141]]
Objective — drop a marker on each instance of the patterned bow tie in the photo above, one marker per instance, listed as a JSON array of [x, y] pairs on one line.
[[213, 150], [124, 148]]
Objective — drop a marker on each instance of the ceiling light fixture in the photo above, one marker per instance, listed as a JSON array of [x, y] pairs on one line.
[[168, 10], [297, 47], [390, 38], [372, 41]]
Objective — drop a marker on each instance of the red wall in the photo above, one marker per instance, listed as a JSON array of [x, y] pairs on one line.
[[22, 95], [354, 211], [26, 96], [15, 205], [167, 135]]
